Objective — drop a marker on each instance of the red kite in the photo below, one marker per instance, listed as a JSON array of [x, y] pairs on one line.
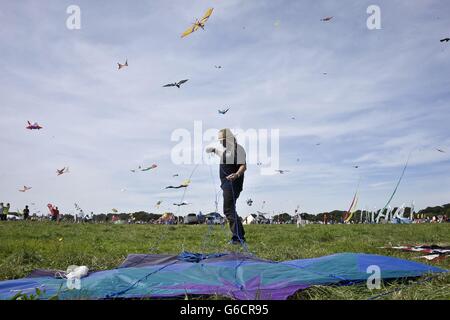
[[34, 126]]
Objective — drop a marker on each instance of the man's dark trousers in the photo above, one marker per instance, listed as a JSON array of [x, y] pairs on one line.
[[229, 209]]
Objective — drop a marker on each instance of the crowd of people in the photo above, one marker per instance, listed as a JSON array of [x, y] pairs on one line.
[[25, 214]]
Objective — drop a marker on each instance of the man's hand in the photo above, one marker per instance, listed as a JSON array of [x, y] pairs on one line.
[[210, 150], [232, 177]]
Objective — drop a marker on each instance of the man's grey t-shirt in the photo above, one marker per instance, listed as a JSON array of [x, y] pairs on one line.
[[230, 162]]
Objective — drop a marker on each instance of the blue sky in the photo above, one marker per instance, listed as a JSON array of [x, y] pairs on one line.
[[386, 94]]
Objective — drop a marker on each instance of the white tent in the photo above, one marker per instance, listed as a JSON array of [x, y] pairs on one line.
[[255, 219], [250, 219]]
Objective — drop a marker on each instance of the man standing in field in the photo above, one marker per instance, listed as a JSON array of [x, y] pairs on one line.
[[1, 211], [232, 168], [26, 213], [5, 212]]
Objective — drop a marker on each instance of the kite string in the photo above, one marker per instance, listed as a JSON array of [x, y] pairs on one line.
[[185, 189], [216, 202], [213, 180], [243, 244], [210, 227], [166, 232], [236, 218], [207, 236], [399, 288]]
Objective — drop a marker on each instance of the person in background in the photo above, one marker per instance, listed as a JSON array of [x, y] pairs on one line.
[[53, 212], [1, 211], [5, 212], [57, 214], [26, 213]]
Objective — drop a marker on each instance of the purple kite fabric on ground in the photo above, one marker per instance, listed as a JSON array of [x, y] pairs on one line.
[[233, 275]]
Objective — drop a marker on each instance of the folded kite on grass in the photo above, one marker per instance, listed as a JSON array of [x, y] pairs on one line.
[[434, 252], [238, 276]]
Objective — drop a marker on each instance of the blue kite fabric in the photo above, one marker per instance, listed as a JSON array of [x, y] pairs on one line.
[[234, 275]]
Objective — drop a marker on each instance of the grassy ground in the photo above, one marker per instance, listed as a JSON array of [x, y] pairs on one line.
[[25, 246]]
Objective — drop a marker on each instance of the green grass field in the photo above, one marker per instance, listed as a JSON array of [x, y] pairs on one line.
[[25, 246]]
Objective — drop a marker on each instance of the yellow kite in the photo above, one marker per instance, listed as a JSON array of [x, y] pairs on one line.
[[198, 24]]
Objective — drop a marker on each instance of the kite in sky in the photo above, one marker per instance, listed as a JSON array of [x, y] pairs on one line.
[[153, 166], [356, 167], [282, 171], [181, 204], [134, 170], [34, 126], [218, 67], [249, 202], [62, 171], [198, 24], [440, 150], [183, 185], [25, 189], [175, 175], [326, 19], [445, 40], [176, 187], [176, 84], [114, 210], [223, 111], [123, 65], [158, 204]]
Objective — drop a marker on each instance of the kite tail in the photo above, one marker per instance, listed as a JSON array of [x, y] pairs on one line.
[[352, 211], [398, 184], [349, 213], [214, 185]]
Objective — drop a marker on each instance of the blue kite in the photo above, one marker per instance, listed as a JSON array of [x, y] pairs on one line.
[[234, 275]]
